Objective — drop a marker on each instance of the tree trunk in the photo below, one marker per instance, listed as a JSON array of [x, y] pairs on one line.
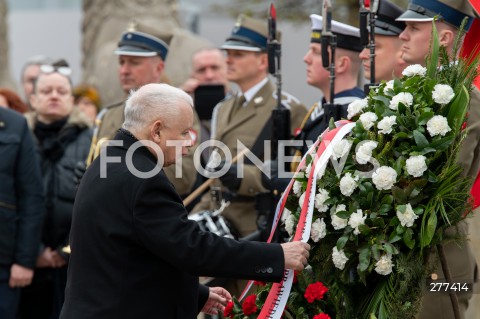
[[6, 79]]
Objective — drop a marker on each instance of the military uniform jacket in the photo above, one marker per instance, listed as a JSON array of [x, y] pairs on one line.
[[314, 126], [113, 119], [246, 125], [135, 254]]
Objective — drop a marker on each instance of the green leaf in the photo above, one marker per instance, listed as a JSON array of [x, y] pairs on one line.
[[342, 241], [443, 143], [458, 109], [382, 99], [424, 117], [407, 238], [432, 63], [420, 139], [430, 229], [364, 258]]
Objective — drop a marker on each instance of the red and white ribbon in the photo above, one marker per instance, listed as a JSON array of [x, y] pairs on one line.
[[279, 293]]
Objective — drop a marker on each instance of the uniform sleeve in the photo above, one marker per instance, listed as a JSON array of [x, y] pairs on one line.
[[469, 155], [161, 224]]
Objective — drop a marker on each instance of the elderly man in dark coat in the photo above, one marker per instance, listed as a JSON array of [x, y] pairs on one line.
[[135, 254]]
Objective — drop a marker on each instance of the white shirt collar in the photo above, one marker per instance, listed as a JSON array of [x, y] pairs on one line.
[[251, 92]]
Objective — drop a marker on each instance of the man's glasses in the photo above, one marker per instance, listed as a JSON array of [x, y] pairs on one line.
[[63, 70]]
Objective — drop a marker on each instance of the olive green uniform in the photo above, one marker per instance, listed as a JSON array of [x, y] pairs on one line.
[[246, 125]]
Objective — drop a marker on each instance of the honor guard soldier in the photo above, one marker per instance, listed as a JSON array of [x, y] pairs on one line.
[[244, 117], [388, 61], [416, 46], [141, 59], [347, 68]]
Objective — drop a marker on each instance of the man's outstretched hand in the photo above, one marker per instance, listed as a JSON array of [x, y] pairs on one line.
[[217, 299]]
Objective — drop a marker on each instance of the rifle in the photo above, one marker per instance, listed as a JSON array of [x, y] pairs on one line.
[[368, 38], [265, 202], [331, 110], [280, 115]]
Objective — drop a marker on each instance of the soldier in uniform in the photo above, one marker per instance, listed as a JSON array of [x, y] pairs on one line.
[[142, 61], [243, 116], [347, 68], [388, 61], [416, 45]]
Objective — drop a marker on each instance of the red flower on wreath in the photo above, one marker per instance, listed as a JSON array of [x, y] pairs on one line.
[[315, 291], [322, 316], [227, 312], [259, 283], [249, 307]]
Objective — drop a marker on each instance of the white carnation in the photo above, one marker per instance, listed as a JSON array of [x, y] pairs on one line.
[[364, 151], [384, 265], [341, 148], [301, 200], [308, 169], [356, 107], [320, 199], [389, 85], [290, 224], [442, 93], [403, 97], [348, 184], [285, 215], [339, 223], [297, 188], [408, 217], [438, 125], [368, 120], [339, 258], [416, 165], [340, 208], [319, 230], [386, 124], [384, 177], [415, 69], [357, 219], [321, 171]]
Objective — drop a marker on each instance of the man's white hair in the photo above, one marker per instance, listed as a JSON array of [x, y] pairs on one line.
[[152, 102]]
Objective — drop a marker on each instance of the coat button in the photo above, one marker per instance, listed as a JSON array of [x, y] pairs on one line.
[[269, 270], [257, 269], [264, 270]]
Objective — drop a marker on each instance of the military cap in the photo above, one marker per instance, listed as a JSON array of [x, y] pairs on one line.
[[248, 34], [385, 23], [136, 43], [348, 37], [450, 11]]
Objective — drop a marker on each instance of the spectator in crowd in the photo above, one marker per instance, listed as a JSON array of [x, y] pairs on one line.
[[63, 138], [30, 71], [21, 209], [11, 100], [87, 99]]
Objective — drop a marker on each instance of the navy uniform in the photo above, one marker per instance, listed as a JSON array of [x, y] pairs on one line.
[[110, 119], [460, 259], [348, 38]]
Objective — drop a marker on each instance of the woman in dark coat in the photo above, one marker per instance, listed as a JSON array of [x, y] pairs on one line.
[[63, 139]]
